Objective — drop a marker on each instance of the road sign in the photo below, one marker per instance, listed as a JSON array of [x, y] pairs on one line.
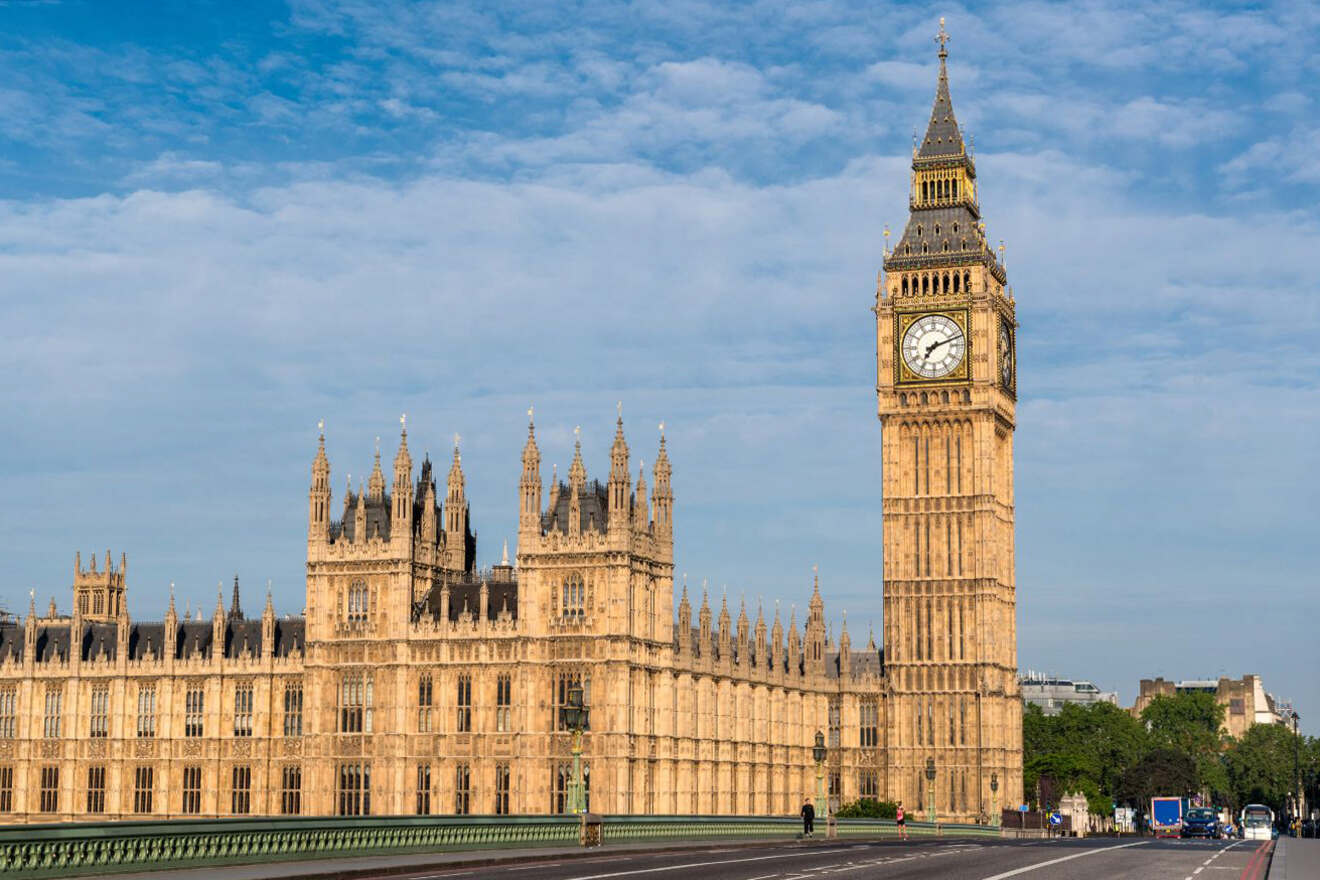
[[1056, 819]]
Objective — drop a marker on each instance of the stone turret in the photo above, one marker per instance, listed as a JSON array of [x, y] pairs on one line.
[[744, 652], [529, 487], [456, 515], [318, 497], [662, 496], [401, 511], [684, 623], [577, 479], [703, 617], [777, 642], [619, 489], [726, 631], [171, 643], [815, 640]]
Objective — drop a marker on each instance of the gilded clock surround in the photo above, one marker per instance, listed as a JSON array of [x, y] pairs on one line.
[[903, 374]]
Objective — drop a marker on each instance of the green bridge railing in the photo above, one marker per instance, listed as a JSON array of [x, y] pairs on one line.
[[82, 849]]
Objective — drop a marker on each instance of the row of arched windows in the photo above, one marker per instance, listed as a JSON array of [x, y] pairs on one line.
[[937, 282], [943, 190], [934, 397]]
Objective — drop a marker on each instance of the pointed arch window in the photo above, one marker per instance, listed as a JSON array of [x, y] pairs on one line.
[[358, 602], [573, 595]]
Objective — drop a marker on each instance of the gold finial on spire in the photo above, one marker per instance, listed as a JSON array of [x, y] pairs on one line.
[[577, 433], [620, 408], [377, 446], [320, 426], [942, 38], [403, 422], [530, 412]]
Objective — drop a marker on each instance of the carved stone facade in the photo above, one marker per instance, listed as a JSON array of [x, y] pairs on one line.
[[417, 683]]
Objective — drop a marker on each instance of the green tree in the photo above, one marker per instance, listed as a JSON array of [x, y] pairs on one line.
[[1190, 724], [1083, 748], [1161, 772], [1260, 766]]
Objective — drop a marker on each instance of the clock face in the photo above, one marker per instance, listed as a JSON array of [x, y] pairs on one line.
[[934, 346], [1005, 357]]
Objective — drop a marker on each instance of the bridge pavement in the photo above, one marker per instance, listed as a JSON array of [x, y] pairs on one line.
[[1296, 859], [947, 859]]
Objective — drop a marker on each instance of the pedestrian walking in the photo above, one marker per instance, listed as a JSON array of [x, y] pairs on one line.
[[808, 818], [901, 818]]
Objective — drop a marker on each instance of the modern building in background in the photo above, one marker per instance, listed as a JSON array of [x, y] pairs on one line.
[[416, 683], [1051, 693], [1245, 700]]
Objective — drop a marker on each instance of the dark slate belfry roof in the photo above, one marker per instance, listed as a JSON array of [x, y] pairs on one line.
[[943, 138], [593, 503]]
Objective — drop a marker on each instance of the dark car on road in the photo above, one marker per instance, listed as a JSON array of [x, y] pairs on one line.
[[1201, 822]]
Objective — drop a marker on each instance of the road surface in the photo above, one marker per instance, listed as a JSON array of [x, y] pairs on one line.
[[1108, 858]]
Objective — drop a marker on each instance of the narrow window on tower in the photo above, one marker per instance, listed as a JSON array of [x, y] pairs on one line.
[[962, 721], [958, 460], [192, 791], [926, 465], [291, 790], [503, 702], [948, 546], [100, 711], [462, 789], [960, 546], [952, 730], [948, 461], [464, 704], [501, 789], [916, 469], [930, 723], [424, 789], [424, 694], [927, 539], [96, 789]]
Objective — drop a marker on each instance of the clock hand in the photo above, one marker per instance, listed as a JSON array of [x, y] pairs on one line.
[[935, 345]]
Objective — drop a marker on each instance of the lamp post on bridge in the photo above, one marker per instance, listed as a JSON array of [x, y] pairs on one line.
[[818, 755], [995, 816], [930, 777], [573, 716]]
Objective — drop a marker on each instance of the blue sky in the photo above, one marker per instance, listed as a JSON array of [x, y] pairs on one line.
[[220, 223]]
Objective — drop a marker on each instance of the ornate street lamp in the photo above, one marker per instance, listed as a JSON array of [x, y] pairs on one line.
[[930, 777], [573, 716], [994, 799], [1297, 772], [818, 755]]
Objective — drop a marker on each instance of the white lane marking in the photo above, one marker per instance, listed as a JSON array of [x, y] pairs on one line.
[[699, 865], [1038, 865], [1199, 870]]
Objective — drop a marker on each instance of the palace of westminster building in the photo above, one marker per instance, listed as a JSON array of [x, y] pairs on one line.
[[417, 683]]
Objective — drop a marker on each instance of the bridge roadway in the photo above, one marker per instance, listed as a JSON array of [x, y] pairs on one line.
[[1108, 858]]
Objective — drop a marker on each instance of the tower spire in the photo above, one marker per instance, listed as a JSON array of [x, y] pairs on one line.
[[943, 137]]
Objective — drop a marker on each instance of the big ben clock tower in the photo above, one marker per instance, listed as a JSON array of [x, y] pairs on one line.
[[946, 385]]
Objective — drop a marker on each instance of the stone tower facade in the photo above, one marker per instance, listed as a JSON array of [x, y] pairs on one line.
[[946, 386]]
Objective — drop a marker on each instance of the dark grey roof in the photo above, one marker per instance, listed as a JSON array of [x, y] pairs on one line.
[[52, 643], [942, 135], [243, 637], [593, 500], [290, 636], [194, 639], [11, 640], [98, 638], [465, 594]]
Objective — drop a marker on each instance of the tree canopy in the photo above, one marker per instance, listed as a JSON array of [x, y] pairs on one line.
[[1176, 747]]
